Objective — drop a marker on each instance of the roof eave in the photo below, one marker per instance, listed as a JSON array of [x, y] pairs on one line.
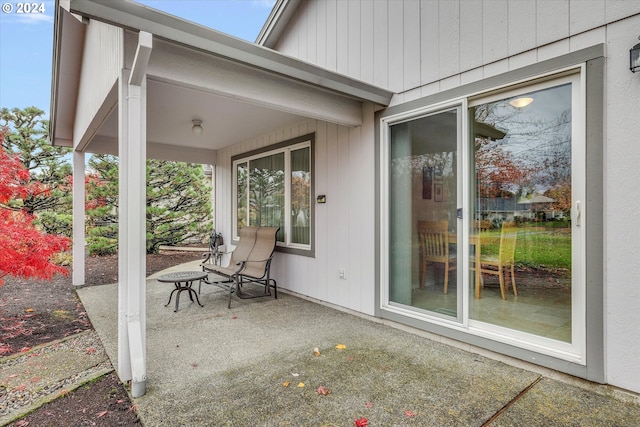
[[131, 15], [70, 58]]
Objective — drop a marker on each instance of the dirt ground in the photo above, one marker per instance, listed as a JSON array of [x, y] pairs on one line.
[[34, 312]]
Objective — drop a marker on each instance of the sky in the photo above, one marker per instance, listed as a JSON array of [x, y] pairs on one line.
[[26, 40]]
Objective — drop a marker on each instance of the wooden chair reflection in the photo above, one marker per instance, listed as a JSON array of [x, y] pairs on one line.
[[434, 249], [498, 265]]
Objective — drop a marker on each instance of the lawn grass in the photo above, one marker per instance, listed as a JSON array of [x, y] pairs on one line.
[[537, 247]]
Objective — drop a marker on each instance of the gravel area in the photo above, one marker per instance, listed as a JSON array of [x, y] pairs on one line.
[[49, 371]]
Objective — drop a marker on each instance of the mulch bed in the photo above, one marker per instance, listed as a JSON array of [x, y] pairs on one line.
[[34, 312]]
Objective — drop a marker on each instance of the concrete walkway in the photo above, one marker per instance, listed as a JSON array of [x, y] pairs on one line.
[[254, 365]]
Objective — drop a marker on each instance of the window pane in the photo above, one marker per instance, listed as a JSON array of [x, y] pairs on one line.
[[300, 196], [242, 179], [266, 193], [422, 228], [522, 201]]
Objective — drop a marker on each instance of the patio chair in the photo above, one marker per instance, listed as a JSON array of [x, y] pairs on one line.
[[257, 268], [504, 261], [434, 249], [250, 263]]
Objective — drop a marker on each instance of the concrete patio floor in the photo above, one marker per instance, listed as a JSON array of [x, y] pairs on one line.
[[214, 366]]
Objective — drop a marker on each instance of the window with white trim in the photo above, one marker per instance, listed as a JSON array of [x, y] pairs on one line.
[[272, 188]]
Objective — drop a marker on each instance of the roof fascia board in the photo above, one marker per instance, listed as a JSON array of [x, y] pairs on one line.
[[278, 19], [134, 16], [68, 42], [55, 71]]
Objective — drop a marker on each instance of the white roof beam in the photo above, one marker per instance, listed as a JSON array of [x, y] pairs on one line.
[[190, 68], [141, 60]]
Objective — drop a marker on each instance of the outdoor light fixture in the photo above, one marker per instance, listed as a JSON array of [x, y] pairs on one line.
[[634, 58], [197, 127], [521, 102]]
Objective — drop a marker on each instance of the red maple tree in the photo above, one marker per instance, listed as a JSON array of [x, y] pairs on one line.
[[25, 251]]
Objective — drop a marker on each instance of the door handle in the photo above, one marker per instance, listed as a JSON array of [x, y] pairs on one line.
[[578, 214]]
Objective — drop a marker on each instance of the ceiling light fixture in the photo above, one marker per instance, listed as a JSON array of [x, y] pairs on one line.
[[521, 102], [197, 127]]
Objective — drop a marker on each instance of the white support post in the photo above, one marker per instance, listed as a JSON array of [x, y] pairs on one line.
[[132, 221], [78, 275], [124, 361], [136, 238]]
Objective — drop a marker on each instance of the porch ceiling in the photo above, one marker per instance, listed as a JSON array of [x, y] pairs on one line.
[[171, 109]]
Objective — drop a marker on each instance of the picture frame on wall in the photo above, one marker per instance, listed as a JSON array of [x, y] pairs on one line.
[[437, 189], [427, 182]]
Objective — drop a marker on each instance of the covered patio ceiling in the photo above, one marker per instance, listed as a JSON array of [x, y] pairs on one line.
[[171, 109]]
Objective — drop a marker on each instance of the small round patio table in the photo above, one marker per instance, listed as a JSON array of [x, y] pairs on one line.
[[183, 280]]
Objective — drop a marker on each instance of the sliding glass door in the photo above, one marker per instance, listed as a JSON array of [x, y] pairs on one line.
[[526, 190], [501, 173], [423, 186]]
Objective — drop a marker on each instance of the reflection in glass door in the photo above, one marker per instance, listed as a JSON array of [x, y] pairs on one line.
[[423, 190], [522, 196]]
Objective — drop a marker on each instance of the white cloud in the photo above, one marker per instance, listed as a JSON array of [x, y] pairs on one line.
[[265, 3], [34, 18]]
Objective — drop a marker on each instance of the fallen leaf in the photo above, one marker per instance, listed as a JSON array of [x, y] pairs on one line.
[[408, 413], [341, 347], [101, 414], [295, 374], [316, 351], [368, 405], [362, 422], [20, 387], [35, 379], [300, 385], [286, 384], [22, 423], [29, 310], [234, 317], [91, 350], [323, 391], [25, 349]]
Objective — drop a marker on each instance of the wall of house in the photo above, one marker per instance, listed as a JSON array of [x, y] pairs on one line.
[[421, 47], [410, 45], [103, 59], [622, 207], [344, 226]]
